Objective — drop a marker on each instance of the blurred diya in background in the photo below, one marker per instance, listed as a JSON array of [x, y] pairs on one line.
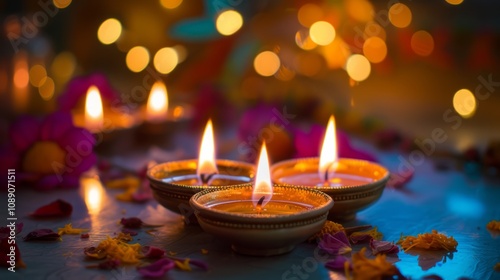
[[159, 119], [261, 219], [352, 183], [173, 183]]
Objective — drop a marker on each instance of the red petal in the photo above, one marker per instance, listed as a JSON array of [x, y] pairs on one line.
[[42, 235], [58, 208], [156, 269], [335, 244], [152, 252], [132, 222]]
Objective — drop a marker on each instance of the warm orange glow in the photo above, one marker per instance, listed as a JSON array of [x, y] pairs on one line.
[[358, 67], [137, 59], [93, 194], [37, 75], [360, 10], [165, 60], [170, 4], [373, 29], [375, 49], [266, 63], [46, 89], [229, 22], [464, 103], [329, 154], [157, 103], [422, 43], [303, 40], [63, 66], [455, 2], [322, 33], [21, 76], [309, 14], [61, 4], [263, 186], [206, 159], [109, 31], [400, 15], [336, 53], [93, 110]]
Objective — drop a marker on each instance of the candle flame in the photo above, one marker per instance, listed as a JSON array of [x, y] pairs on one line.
[[329, 153], [263, 187], [93, 110], [94, 193], [157, 102], [206, 160]]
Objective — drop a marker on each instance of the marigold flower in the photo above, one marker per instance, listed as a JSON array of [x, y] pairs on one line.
[[493, 225], [428, 241], [373, 269]]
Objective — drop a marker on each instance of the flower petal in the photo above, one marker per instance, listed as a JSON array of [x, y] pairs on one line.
[[48, 182], [86, 163], [383, 247], [77, 142], [5, 249], [55, 125], [58, 208], [338, 263], [365, 236], [5, 231], [43, 234], [132, 222], [24, 132], [335, 244], [152, 252], [94, 253], [156, 269]]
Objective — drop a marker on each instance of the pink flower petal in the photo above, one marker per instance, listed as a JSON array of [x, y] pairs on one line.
[[85, 164], [156, 269], [23, 133], [383, 247], [400, 179], [335, 244], [42, 235], [132, 222], [55, 125], [48, 182], [152, 252], [77, 142], [360, 237], [58, 208], [338, 264]]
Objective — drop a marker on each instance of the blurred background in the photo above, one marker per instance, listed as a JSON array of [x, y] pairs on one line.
[[408, 66]]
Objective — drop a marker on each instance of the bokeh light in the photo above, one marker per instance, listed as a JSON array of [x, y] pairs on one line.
[[360, 10], [322, 33], [303, 40], [137, 59], [166, 60], [61, 4], [46, 89], [229, 22], [109, 31], [285, 73], [373, 29], [170, 4], [21, 77], [422, 43], [336, 53], [464, 103], [63, 66], [454, 2], [400, 15], [181, 52], [358, 67], [37, 75], [266, 63], [309, 14], [375, 49]]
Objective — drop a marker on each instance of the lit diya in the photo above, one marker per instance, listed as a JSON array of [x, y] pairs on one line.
[[261, 219], [159, 118], [352, 183], [173, 183]]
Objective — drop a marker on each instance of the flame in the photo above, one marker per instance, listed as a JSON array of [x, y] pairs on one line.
[[206, 159], [329, 154], [263, 186], [157, 103], [93, 110], [94, 193]]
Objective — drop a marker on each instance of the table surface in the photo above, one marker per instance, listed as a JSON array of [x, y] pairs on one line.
[[451, 202]]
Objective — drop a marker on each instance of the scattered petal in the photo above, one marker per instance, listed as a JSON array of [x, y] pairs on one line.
[[68, 229], [156, 269], [132, 222], [493, 225], [201, 264], [152, 252], [378, 268], [365, 236], [338, 264], [94, 253], [383, 247], [428, 241], [114, 248], [84, 236], [400, 179], [335, 244], [183, 264], [42, 235], [58, 208]]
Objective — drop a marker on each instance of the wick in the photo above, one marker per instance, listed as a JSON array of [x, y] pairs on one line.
[[259, 204], [205, 178], [326, 172]]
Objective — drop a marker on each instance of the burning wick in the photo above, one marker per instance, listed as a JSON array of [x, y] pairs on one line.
[[327, 178], [205, 178], [259, 204]]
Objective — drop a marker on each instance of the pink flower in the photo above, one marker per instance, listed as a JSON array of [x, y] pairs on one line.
[[335, 244], [50, 153], [383, 247], [156, 269], [78, 87]]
